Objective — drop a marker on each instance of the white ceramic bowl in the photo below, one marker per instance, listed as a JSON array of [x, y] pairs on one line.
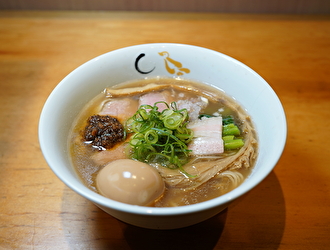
[[141, 61]]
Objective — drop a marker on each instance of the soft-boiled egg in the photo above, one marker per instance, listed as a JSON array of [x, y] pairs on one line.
[[130, 182]]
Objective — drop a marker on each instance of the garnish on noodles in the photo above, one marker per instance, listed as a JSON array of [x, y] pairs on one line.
[[160, 136]]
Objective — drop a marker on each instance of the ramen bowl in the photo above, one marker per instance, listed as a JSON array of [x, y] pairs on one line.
[[149, 61]]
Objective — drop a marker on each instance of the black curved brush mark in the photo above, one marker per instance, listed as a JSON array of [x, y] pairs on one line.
[[137, 65]]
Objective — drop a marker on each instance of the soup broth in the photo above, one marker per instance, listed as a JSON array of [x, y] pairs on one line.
[[205, 175]]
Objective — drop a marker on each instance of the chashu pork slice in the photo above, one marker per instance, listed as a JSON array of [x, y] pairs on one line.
[[207, 136]]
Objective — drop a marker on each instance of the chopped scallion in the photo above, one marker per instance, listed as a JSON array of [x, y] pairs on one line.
[[160, 135]]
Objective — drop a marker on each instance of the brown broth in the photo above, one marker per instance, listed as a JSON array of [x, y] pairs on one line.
[[86, 168]]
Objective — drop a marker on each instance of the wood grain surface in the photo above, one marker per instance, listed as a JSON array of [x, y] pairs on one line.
[[219, 6], [290, 209]]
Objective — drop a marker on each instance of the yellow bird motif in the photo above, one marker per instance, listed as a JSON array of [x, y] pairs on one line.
[[177, 69]]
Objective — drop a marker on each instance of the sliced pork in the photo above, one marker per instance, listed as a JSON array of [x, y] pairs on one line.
[[194, 106], [106, 156], [206, 146], [207, 136], [122, 109], [153, 97]]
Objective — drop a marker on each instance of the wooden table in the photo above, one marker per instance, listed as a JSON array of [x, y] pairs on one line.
[[290, 209]]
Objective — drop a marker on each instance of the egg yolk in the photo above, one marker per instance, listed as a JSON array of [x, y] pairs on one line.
[[130, 182]]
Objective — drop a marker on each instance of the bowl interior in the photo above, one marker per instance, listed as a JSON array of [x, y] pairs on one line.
[[138, 62]]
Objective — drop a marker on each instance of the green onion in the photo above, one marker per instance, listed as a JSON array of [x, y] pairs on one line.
[[151, 136], [173, 121], [160, 136]]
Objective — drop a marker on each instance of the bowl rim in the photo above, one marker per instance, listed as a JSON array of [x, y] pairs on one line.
[[82, 190]]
